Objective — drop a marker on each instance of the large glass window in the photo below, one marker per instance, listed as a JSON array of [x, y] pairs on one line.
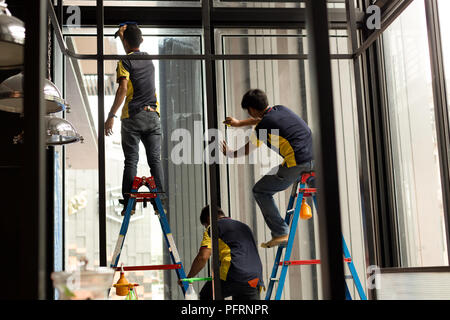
[[418, 193], [286, 82], [179, 89], [81, 170]]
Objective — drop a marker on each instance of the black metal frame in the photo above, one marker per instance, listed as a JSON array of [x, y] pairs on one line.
[[364, 144], [325, 152], [384, 216], [34, 244], [213, 18], [365, 52], [440, 105]]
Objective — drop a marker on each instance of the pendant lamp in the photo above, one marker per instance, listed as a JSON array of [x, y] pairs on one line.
[[12, 39], [60, 131], [11, 96]]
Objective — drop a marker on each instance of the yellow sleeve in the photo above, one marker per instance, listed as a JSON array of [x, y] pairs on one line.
[[206, 242], [254, 140], [122, 72]]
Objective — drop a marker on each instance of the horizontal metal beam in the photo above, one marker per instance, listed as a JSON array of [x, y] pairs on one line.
[[221, 17], [65, 50]]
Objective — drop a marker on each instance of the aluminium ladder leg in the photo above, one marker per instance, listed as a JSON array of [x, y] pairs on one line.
[[287, 219], [134, 196], [288, 251], [291, 219]]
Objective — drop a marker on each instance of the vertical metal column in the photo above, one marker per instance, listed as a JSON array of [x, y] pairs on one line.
[[364, 170], [32, 231], [440, 106], [101, 135], [322, 116], [50, 221], [211, 104]]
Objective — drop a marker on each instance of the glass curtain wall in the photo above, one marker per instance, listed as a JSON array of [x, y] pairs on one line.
[[180, 91], [416, 167], [286, 82], [179, 87]]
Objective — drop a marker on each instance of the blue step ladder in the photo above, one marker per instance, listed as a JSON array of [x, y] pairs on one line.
[[292, 217], [136, 196]]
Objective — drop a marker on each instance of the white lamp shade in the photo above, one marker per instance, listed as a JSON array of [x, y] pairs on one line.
[[11, 96]]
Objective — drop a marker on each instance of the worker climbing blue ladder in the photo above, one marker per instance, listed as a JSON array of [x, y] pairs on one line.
[[136, 196], [292, 217]]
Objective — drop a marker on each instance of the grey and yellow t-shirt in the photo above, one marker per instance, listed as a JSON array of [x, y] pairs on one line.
[[141, 90], [238, 253], [284, 131]]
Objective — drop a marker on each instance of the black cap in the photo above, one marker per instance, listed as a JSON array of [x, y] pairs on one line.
[[121, 25]]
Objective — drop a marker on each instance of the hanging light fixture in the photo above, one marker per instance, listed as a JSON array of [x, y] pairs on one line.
[[60, 131], [11, 96], [12, 39]]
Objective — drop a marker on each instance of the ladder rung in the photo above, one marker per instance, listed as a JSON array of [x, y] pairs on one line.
[[307, 190], [274, 279], [290, 211], [143, 195], [306, 262], [299, 262], [348, 276], [155, 267]]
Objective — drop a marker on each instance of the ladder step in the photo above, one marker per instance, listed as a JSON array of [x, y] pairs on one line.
[[147, 268], [299, 262], [306, 262], [348, 276], [274, 279], [308, 190]]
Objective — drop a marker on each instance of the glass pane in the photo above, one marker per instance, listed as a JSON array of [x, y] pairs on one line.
[[286, 82], [444, 9], [180, 96], [81, 169], [416, 164], [266, 41]]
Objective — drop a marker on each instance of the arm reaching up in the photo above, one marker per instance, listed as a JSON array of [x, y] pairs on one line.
[[233, 122]]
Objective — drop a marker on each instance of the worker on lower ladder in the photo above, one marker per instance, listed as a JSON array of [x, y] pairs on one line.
[[285, 132], [240, 264]]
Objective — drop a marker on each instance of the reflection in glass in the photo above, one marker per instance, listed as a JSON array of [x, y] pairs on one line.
[[416, 164]]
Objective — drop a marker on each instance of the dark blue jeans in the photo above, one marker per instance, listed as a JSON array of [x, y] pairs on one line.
[[238, 291], [146, 127], [280, 179]]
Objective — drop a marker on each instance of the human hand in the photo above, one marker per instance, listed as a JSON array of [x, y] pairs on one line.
[[227, 152], [121, 30], [232, 122], [108, 126]]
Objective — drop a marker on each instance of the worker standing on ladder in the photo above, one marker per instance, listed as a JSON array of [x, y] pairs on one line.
[[140, 114], [240, 264], [284, 131]]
